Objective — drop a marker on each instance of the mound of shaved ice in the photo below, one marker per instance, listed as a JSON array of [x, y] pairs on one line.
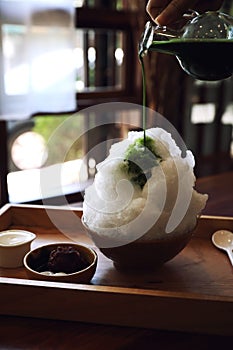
[[119, 209]]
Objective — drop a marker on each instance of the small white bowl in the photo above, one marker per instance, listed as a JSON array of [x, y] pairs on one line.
[[14, 244]]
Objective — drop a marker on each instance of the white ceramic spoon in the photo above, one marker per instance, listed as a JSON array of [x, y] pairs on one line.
[[223, 239]]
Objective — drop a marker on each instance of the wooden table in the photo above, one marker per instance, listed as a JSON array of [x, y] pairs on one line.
[[27, 333], [220, 190]]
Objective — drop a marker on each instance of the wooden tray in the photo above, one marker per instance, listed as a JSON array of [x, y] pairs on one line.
[[193, 292]]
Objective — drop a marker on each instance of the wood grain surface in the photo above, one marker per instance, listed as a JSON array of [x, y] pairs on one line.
[[200, 271]]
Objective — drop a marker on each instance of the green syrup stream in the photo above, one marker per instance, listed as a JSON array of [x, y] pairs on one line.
[[144, 117]]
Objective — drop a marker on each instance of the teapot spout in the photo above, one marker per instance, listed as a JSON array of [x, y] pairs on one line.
[[146, 39], [155, 33]]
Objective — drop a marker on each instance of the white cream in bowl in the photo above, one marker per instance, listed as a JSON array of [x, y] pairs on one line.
[[14, 244]]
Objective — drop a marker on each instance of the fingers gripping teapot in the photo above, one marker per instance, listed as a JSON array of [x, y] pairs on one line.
[[203, 46]]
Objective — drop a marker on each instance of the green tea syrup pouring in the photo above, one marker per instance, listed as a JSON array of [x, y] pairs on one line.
[[203, 47]]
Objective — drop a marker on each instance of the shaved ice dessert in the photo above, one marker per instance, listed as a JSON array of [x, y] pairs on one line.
[[142, 192]]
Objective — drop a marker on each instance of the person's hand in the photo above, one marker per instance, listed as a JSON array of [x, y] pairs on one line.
[[165, 12]]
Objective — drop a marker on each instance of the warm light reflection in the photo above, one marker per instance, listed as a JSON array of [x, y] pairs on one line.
[[119, 55]]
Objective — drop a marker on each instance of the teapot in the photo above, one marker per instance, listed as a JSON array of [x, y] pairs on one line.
[[203, 46]]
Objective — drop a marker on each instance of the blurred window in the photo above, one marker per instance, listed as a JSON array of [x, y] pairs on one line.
[[107, 35], [107, 70]]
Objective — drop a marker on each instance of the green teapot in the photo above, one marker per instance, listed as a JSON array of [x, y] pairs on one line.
[[203, 46]]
